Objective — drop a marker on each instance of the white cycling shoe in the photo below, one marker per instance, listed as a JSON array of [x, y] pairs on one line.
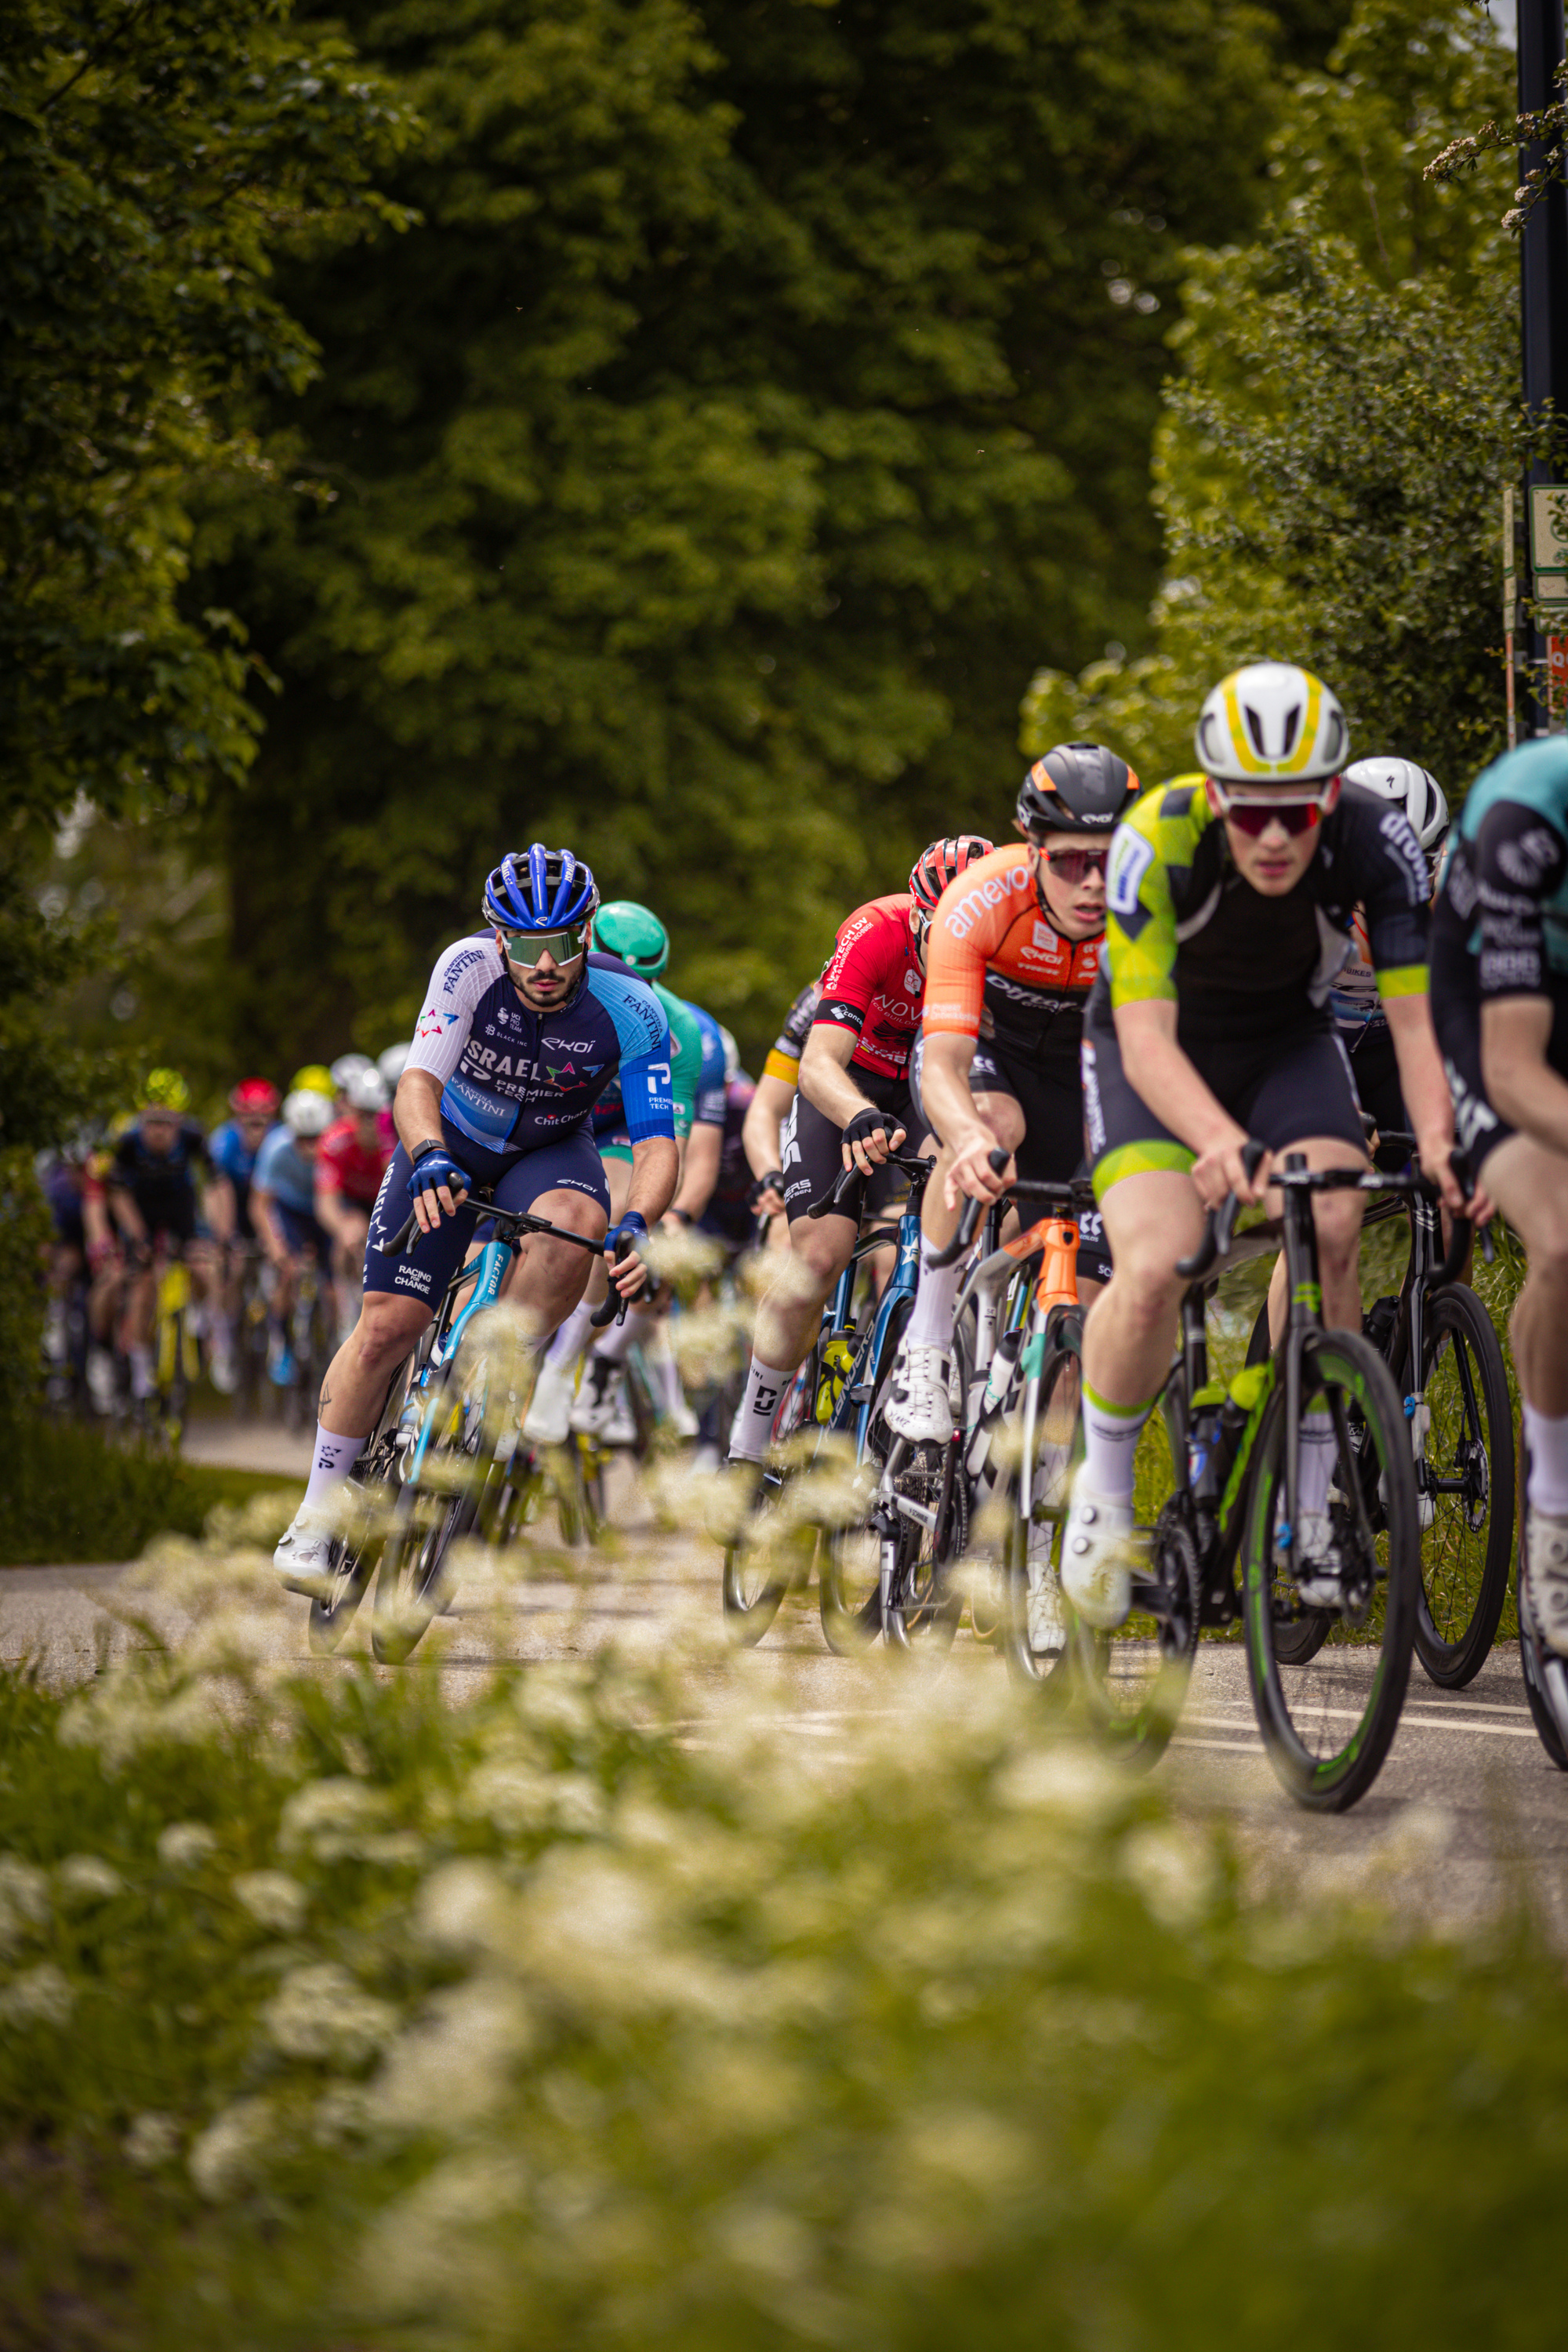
[[604, 1412], [1100, 1553], [1315, 1562], [304, 1555], [1546, 1567], [547, 1421], [918, 1406]]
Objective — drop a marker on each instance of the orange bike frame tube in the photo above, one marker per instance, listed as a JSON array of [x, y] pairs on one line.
[[1057, 1238]]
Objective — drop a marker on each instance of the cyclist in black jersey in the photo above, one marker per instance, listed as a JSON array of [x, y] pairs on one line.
[[1230, 899], [151, 1184]]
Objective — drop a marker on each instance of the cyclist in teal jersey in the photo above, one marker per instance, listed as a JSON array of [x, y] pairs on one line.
[[1500, 998]]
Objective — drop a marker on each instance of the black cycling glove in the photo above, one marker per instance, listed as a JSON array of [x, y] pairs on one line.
[[774, 1182], [870, 1121]]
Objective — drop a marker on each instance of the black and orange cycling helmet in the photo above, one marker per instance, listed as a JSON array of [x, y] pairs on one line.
[[1076, 788]]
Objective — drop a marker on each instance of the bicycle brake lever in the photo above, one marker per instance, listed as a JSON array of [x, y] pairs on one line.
[[614, 1309]]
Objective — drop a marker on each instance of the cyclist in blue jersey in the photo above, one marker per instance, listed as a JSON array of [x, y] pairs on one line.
[[283, 1205], [1500, 999], [522, 1029], [232, 1149]]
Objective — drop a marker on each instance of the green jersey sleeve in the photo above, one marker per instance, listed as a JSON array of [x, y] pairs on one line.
[[685, 1056], [1159, 838]]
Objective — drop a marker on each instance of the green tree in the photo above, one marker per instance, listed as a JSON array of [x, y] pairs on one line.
[[701, 476], [1329, 464]]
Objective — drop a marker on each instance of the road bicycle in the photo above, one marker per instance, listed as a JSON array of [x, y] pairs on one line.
[[448, 1459], [829, 1414], [312, 1341], [1447, 1363], [1328, 1637], [176, 1358]]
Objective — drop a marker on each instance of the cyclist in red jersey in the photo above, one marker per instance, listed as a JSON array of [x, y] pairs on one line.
[[351, 1160], [852, 1109], [1015, 950]]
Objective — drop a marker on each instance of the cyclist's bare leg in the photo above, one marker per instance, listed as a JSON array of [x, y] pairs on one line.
[[1151, 1221], [547, 1286], [789, 1315], [1528, 1183], [357, 1378]]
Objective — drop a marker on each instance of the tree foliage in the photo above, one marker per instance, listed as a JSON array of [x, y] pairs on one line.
[[1330, 463], [703, 473]]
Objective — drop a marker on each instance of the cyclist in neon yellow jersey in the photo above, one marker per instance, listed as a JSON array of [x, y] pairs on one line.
[[1230, 897]]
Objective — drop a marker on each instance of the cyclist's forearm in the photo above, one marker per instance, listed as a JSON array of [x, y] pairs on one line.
[[656, 1166], [1521, 1082], [760, 1135], [272, 1238], [416, 1111], [1428, 1102], [700, 1170], [946, 1090], [824, 1076]]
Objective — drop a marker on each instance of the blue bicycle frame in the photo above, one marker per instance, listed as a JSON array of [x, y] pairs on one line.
[[854, 1407], [488, 1272]]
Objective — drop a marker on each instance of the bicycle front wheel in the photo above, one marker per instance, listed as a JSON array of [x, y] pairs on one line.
[[1328, 1719], [1036, 1636], [413, 1585], [760, 1565], [1465, 1479]]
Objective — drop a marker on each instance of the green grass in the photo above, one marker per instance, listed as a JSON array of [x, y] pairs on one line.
[[71, 1494], [335, 2015]]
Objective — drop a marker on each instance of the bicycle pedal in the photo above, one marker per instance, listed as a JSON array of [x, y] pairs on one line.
[[863, 1394]]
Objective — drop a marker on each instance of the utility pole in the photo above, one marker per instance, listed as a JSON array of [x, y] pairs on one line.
[[1544, 289]]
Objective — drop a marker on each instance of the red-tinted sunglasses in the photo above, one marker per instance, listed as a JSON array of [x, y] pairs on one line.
[[1076, 866], [1253, 817]]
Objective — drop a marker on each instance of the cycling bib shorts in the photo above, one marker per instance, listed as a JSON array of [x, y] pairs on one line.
[[571, 1163]]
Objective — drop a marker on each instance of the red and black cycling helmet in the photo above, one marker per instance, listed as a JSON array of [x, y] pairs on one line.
[[935, 868], [1076, 788], [254, 1095]]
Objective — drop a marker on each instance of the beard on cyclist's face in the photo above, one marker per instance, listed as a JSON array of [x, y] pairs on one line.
[[1070, 868], [1273, 859], [546, 982]]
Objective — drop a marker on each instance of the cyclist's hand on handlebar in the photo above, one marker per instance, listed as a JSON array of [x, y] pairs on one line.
[[765, 1198], [869, 1137], [1435, 1145], [971, 1174], [436, 1186], [630, 1275], [1221, 1170]]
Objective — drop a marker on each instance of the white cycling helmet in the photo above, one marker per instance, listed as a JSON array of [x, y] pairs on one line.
[[366, 1089], [306, 1112], [346, 1065], [1271, 723], [392, 1063], [1415, 790]]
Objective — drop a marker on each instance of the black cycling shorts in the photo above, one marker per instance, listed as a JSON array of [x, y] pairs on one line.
[[425, 1270], [814, 1153], [1052, 1150], [1281, 1090]]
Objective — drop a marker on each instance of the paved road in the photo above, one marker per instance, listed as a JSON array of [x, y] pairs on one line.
[[1467, 1813]]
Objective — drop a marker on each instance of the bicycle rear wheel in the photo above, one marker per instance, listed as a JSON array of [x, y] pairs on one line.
[[1327, 1720], [1466, 1500], [1132, 1684], [1035, 1635]]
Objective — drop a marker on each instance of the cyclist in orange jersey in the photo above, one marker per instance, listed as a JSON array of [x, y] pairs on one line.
[[1015, 950]]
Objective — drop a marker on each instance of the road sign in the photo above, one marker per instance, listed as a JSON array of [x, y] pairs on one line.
[[1549, 526], [1552, 587], [1557, 679]]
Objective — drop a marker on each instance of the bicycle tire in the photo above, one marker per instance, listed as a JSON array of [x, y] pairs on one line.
[[1303, 1714], [850, 1578], [1032, 1551], [412, 1585], [1454, 1646], [754, 1582]]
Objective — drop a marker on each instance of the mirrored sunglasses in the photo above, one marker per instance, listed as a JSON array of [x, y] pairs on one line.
[[524, 948], [1253, 817], [1076, 866]]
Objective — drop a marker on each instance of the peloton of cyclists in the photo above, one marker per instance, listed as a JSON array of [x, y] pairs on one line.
[[523, 1027]]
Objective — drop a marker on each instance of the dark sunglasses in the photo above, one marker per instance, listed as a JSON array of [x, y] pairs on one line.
[[1253, 817], [1076, 866]]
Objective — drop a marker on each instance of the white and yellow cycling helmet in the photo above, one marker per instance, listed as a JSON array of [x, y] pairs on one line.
[[1271, 723]]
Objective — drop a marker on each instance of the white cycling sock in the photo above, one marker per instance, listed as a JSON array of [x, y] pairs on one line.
[[142, 1381], [659, 1358], [749, 1431], [931, 1319], [572, 1339], [1318, 1455], [331, 1463], [1110, 1434], [1548, 1483]]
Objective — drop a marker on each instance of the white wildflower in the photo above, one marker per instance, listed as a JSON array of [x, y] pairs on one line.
[[186, 1845], [1071, 1782], [320, 2012], [462, 1906], [333, 1819], [985, 2152], [152, 2140], [456, 2063], [274, 1899], [88, 1878], [228, 2156], [23, 1900], [1172, 1870], [409, 2251], [552, 1699], [40, 1996], [512, 1795]]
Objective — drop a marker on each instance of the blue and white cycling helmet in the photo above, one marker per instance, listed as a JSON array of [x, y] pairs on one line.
[[546, 890]]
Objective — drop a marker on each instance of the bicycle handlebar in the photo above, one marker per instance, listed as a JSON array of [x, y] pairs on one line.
[[909, 1162], [614, 1309], [522, 1221], [1220, 1222]]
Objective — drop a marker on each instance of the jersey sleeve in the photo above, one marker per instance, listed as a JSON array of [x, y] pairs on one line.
[[1140, 911], [711, 1107], [642, 1033], [263, 1176], [784, 1056], [967, 930], [1517, 859], [1395, 886], [849, 976], [459, 980]]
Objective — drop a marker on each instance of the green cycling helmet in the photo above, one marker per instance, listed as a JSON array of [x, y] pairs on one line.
[[634, 934]]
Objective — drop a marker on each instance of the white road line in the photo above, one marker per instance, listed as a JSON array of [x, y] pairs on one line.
[[1217, 1746], [1352, 1715]]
